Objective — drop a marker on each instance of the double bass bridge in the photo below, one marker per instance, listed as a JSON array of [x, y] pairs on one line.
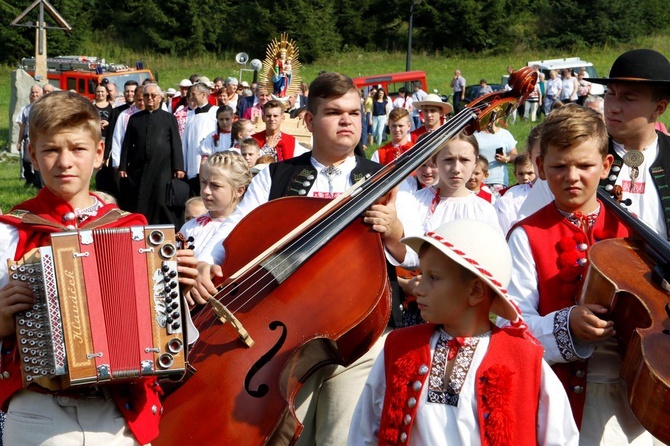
[[225, 315]]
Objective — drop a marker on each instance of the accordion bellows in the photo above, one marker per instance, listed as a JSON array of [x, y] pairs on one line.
[[108, 308]]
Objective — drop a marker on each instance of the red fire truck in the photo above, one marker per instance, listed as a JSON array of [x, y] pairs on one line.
[[83, 73], [392, 82]]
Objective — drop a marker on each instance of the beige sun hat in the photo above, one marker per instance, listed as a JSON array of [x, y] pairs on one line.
[[185, 83], [205, 80], [435, 101], [479, 248]]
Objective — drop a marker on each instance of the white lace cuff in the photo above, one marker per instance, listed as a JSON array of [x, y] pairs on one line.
[[564, 341]]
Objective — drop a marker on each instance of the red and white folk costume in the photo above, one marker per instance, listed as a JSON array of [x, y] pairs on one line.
[[202, 228], [29, 225], [434, 210], [486, 194], [509, 204], [498, 390], [389, 152], [550, 252], [288, 146], [217, 141], [506, 395]]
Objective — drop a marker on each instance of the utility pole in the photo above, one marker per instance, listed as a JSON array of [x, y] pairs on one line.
[[41, 33], [408, 64], [40, 50]]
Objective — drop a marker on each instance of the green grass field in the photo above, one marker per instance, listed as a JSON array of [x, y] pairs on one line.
[[12, 190], [171, 69]]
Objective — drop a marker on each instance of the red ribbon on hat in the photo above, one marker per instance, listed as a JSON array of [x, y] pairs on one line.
[[472, 262]]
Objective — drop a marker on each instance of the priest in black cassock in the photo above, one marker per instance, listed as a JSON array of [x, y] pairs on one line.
[[150, 157]]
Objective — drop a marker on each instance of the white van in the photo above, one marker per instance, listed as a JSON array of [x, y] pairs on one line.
[[575, 63]]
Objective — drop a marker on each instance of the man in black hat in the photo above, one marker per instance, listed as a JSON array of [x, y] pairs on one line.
[[638, 90]]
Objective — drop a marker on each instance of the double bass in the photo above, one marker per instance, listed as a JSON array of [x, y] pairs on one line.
[[631, 277], [311, 292]]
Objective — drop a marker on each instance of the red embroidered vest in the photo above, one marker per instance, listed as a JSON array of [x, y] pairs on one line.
[[35, 220], [418, 132], [285, 147], [389, 152], [508, 385], [560, 251]]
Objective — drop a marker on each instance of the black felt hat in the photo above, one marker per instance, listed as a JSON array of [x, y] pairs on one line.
[[638, 66]]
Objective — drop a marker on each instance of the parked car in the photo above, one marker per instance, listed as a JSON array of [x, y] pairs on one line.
[[573, 63]]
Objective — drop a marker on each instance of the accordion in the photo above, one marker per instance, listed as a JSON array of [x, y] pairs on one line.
[[108, 308]]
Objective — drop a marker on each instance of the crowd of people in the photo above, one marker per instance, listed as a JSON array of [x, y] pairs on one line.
[[461, 243]]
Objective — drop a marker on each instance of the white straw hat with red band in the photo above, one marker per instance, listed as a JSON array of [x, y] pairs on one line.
[[433, 100], [479, 248]]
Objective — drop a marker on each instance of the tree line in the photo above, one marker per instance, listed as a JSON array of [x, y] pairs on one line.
[[187, 27]]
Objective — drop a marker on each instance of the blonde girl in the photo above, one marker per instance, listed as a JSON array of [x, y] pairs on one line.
[[223, 180]]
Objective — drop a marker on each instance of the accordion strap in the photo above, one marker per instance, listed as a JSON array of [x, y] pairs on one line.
[[19, 216]]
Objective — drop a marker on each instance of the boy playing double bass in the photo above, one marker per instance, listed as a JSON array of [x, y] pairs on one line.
[[334, 118]]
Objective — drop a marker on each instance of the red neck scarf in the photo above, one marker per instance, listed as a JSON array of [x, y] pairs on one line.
[[36, 219]]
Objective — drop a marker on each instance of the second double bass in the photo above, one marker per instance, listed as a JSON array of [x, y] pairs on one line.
[[638, 297], [311, 292]]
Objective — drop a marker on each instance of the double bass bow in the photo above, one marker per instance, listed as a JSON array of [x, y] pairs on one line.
[[631, 277], [312, 291]]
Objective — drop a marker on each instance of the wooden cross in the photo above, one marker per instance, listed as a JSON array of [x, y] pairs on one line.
[[41, 33]]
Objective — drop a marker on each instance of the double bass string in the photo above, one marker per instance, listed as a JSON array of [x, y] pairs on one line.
[[378, 186], [372, 192]]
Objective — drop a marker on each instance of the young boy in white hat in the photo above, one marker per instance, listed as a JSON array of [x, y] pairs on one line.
[[433, 111], [459, 379]]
